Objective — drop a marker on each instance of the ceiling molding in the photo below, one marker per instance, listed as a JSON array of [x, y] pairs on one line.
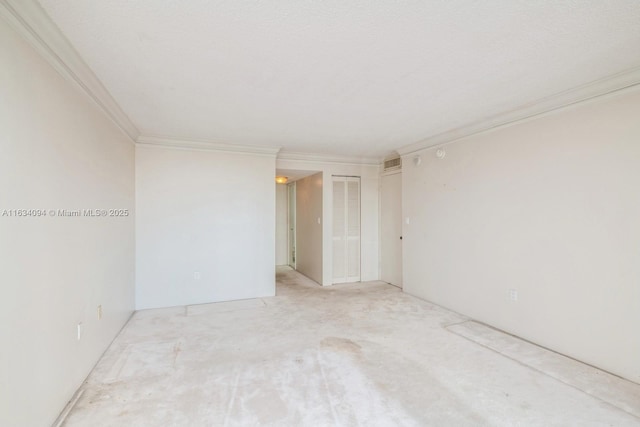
[[560, 100], [194, 144], [32, 22], [327, 158]]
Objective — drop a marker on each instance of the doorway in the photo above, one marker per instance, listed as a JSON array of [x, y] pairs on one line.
[[346, 229], [291, 224], [281, 224], [391, 229]]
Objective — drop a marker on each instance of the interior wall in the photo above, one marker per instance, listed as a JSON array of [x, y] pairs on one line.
[[369, 196], [281, 224], [205, 226], [548, 207], [309, 226], [58, 153]]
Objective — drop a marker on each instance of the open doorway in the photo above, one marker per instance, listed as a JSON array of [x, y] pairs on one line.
[[291, 225], [282, 224], [291, 205]]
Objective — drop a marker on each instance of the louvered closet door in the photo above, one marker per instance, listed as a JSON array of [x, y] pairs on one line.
[[346, 229]]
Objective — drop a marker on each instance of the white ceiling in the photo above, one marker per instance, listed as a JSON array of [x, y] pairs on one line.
[[352, 78]]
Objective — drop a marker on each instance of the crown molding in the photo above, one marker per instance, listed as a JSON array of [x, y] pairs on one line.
[[196, 144], [326, 158], [32, 22], [597, 88]]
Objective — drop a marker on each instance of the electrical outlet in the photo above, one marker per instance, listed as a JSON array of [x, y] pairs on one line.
[[196, 275], [100, 312], [79, 331], [513, 294]]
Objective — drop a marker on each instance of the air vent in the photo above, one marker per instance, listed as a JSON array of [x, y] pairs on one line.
[[392, 164]]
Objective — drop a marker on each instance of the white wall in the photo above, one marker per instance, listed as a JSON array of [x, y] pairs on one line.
[[550, 207], [369, 192], [281, 224], [57, 151], [309, 226], [203, 212]]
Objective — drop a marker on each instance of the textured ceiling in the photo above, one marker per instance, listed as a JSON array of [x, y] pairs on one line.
[[357, 78]]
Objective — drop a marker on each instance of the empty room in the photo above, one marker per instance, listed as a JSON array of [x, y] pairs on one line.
[[319, 213]]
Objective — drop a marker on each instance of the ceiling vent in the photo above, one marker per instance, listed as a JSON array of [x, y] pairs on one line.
[[392, 164]]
